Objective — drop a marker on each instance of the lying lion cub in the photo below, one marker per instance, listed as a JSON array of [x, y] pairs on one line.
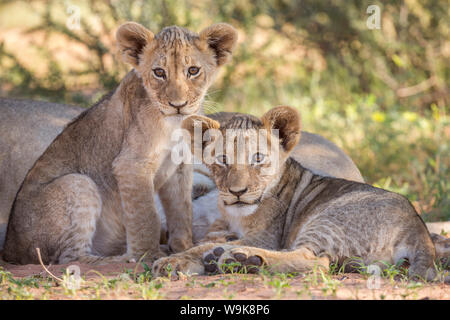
[[89, 197], [291, 219]]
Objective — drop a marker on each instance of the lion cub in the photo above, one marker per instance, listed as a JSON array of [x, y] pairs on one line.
[[90, 196], [290, 219]]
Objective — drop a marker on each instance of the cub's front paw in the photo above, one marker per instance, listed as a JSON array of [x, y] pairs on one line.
[[177, 263], [232, 259]]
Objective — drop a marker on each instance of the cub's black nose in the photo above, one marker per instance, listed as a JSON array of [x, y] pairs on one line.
[[239, 192]]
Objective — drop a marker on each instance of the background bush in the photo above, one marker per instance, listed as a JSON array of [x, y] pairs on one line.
[[382, 95]]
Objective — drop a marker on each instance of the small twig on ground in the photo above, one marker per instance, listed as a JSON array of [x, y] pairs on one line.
[[137, 265], [43, 266]]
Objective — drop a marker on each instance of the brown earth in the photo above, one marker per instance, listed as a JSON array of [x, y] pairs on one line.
[[114, 281]]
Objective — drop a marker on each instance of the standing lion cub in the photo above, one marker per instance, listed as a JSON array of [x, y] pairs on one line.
[[89, 197]]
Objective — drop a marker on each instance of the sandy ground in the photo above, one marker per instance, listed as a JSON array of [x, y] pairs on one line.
[[234, 286], [87, 271], [130, 281]]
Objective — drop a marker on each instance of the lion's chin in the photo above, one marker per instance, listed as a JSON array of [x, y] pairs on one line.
[[177, 116], [239, 210]]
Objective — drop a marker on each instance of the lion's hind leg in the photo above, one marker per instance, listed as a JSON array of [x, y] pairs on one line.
[[69, 208], [58, 218], [73, 205], [226, 258], [81, 207]]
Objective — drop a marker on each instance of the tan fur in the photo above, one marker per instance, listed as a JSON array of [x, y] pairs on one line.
[[293, 220], [89, 197]]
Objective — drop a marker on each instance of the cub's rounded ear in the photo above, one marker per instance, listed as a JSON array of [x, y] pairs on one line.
[[197, 126], [287, 121], [131, 39], [221, 38]]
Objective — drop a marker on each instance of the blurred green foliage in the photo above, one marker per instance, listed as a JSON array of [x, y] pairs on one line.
[[382, 94]]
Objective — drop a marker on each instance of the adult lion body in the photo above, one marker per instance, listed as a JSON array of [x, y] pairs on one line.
[[292, 219], [89, 197]]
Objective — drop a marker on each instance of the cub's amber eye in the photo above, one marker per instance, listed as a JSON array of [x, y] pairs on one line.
[[193, 71], [258, 158], [222, 160], [160, 73]]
